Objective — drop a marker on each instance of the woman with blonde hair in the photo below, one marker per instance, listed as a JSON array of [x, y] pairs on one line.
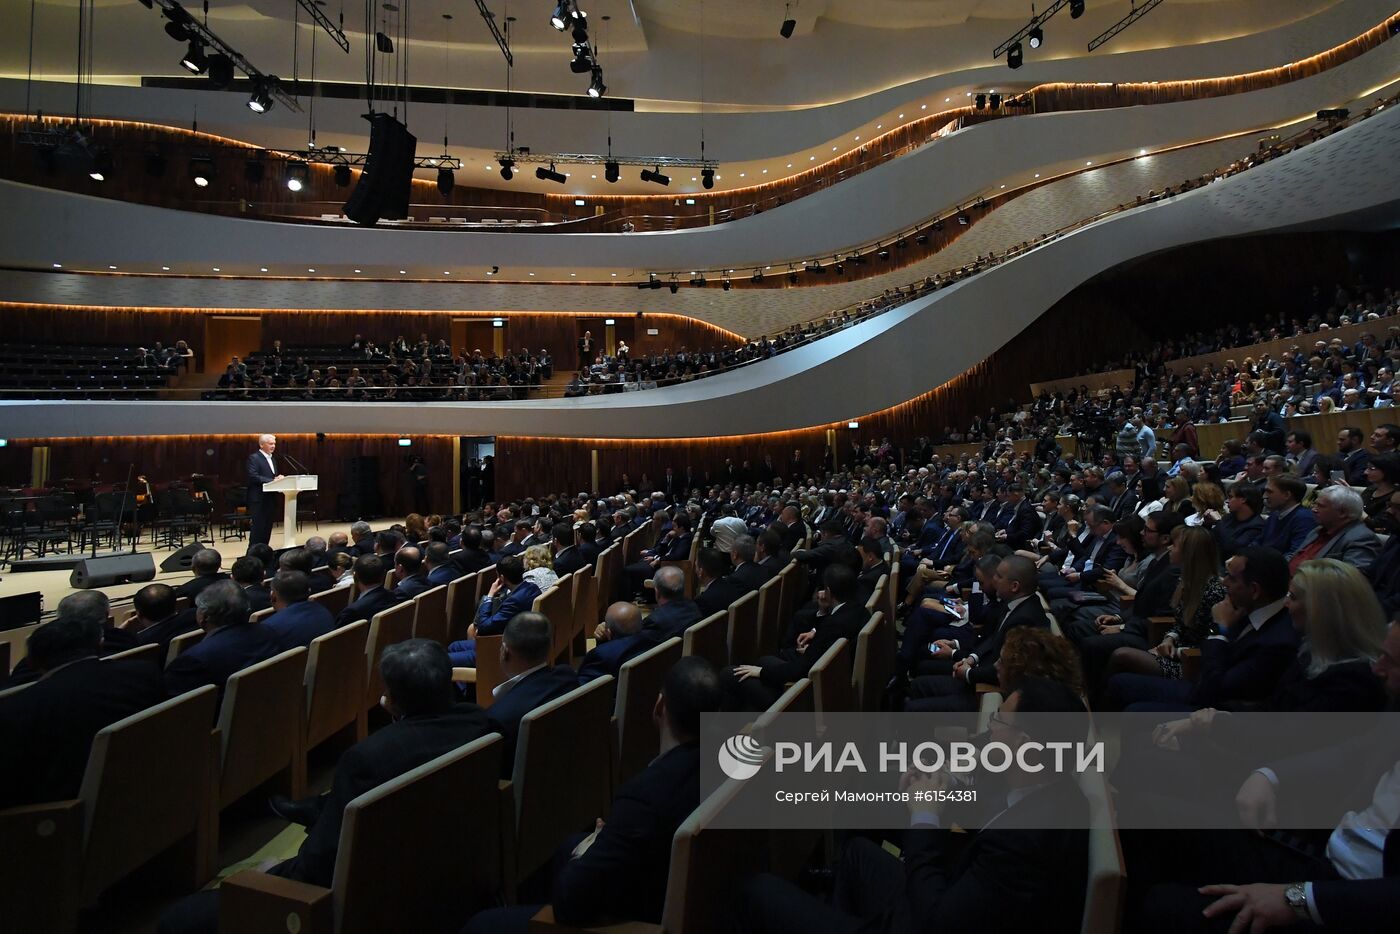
[[1205, 497], [539, 566]]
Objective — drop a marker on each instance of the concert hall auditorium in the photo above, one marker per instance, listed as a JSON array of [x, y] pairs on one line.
[[699, 466]]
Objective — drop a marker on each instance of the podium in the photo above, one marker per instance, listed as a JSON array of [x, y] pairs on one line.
[[289, 486]]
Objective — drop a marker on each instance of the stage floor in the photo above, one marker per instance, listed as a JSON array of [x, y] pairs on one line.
[[54, 584]]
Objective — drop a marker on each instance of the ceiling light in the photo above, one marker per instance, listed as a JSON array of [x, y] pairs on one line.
[[57, 265], [1035, 37], [220, 70], [356, 271], [194, 60], [1015, 56], [446, 179], [560, 19], [403, 272], [789, 25], [579, 202], [596, 87], [202, 170], [1076, 9], [725, 284], [167, 269], [111, 267], [707, 177], [549, 175], [612, 171], [296, 176], [507, 168], [583, 59], [260, 101], [217, 269], [342, 176], [654, 175], [309, 269]]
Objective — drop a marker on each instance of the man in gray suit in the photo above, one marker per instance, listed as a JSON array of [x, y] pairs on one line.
[[1340, 533]]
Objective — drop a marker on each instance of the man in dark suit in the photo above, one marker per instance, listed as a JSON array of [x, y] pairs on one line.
[[1016, 587], [747, 570], [408, 571], [715, 588], [791, 527], [1100, 553], [1251, 644], [769, 553], [530, 680], [1030, 859], [509, 595], [567, 556], [261, 468], [427, 722], [586, 534], [674, 614], [619, 872], [835, 615], [205, 564], [437, 561], [833, 548], [1242, 525], [673, 546], [230, 642], [472, 558], [873, 566], [247, 572], [153, 619], [362, 537], [517, 532], [46, 729], [1121, 498], [618, 639], [1350, 887], [1351, 448], [296, 621], [373, 598], [1289, 524]]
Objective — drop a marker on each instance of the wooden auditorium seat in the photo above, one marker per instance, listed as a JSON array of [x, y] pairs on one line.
[[335, 599], [770, 622], [261, 615], [430, 615], [874, 662], [709, 639], [150, 652], [387, 628], [182, 642], [557, 605], [794, 587], [461, 606], [261, 731], [335, 683], [386, 880], [879, 595], [742, 634], [832, 690], [585, 615], [638, 685]]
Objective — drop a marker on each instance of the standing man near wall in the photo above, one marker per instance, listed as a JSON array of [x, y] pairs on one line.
[[261, 506]]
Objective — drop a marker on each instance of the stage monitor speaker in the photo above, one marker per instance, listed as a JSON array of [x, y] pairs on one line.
[[384, 185], [117, 569], [182, 560]]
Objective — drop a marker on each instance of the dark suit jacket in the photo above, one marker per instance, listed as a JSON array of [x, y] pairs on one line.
[[623, 873], [493, 614], [298, 624], [1354, 466], [835, 551], [1155, 589], [258, 474], [1246, 666], [720, 594], [530, 692], [440, 577], [1385, 576], [369, 603], [1233, 536], [670, 620], [1287, 535], [754, 575], [223, 652], [1028, 612], [321, 580], [1110, 556], [387, 753], [46, 730], [993, 880], [410, 587], [866, 581], [1024, 526], [165, 630], [571, 559], [259, 597], [791, 665], [193, 587], [607, 658], [471, 560]]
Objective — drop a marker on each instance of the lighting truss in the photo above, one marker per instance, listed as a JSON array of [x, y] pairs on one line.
[[1036, 21], [197, 29], [324, 21], [580, 158], [501, 41], [337, 157], [1137, 13]]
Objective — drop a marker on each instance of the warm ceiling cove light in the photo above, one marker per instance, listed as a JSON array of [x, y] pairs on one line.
[[655, 175]]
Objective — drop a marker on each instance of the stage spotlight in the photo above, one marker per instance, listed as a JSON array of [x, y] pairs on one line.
[[596, 87], [296, 176], [101, 166], [1076, 9], [507, 168], [260, 101], [980, 102], [1015, 56], [921, 238], [792, 278], [816, 268], [757, 276], [253, 170], [883, 252], [840, 269], [177, 31], [963, 219], [654, 175], [580, 24], [446, 179], [220, 70], [583, 59], [994, 101], [550, 174], [938, 225], [698, 282], [674, 286], [155, 164], [1036, 37], [194, 60], [788, 26], [725, 284], [202, 170], [612, 172], [901, 244], [707, 179], [342, 176], [560, 19]]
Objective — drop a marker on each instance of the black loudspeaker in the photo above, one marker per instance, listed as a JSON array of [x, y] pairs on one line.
[[182, 560], [118, 569], [383, 189]]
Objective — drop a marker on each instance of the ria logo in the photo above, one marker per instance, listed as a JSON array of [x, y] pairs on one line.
[[740, 757]]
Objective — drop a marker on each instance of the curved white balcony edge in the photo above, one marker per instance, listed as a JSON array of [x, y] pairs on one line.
[[880, 363]]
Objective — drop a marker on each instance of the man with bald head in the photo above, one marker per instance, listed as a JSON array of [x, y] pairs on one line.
[[674, 612], [617, 637], [262, 506]]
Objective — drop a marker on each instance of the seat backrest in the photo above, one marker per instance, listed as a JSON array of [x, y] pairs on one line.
[[388, 627], [150, 652], [832, 690], [183, 642], [709, 639], [742, 637], [770, 598], [569, 736], [16, 641], [892, 601], [874, 662], [133, 812], [794, 580], [387, 881], [879, 595], [707, 864], [335, 599], [557, 604], [461, 604], [260, 725], [484, 579], [335, 683], [488, 668], [1106, 893], [632, 543], [638, 685], [262, 614], [430, 615], [585, 611], [605, 574]]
